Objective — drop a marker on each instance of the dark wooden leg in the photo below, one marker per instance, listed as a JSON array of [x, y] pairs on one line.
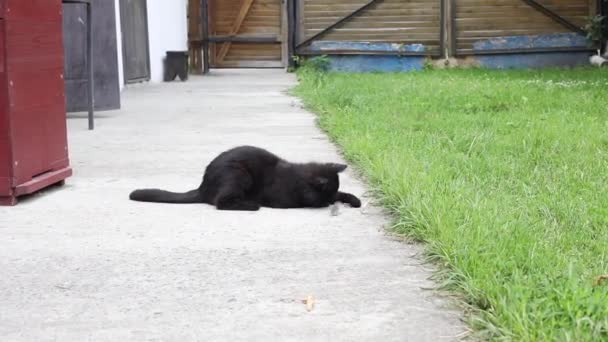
[[183, 71]]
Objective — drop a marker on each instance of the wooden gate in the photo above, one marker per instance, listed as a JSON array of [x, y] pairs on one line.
[[247, 33]]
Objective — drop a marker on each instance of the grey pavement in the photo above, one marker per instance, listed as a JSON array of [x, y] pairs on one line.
[[83, 263]]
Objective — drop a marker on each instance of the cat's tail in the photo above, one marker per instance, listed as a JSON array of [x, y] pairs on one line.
[[162, 196]]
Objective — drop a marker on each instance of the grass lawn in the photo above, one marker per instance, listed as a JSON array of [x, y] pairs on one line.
[[504, 176]]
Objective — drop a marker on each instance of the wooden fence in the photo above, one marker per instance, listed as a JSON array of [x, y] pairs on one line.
[[439, 27], [435, 28], [481, 20], [415, 22]]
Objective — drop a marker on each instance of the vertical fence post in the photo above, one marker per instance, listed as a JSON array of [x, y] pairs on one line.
[[451, 28], [291, 32], [602, 8]]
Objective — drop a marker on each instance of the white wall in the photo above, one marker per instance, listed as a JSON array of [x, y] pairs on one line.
[[167, 29]]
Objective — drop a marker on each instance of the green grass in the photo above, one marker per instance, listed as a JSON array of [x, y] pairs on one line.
[[503, 175]]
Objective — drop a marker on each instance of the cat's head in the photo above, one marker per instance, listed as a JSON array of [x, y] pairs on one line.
[[324, 178]]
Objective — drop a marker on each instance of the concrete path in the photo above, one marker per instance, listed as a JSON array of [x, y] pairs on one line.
[[82, 263]]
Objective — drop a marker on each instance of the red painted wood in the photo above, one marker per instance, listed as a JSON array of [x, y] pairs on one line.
[[32, 41], [5, 147], [8, 200], [32, 9], [43, 181], [6, 186], [33, 137]]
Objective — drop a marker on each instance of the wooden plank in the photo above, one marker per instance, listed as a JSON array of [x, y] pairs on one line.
[[43, 181], [390, 21], [260, 37], [244, 39], [554, 16], [251, 64], [301, 26], [340, 21], [206, 27], [5, 143], [194, 20], [195, 36], [235, 28], [291, 33], [284, 32], [486, 19], [32, 10]]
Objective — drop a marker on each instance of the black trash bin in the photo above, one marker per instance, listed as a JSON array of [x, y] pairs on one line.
[[176, 64]]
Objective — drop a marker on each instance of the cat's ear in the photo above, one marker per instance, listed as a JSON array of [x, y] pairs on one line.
[[337, 168]]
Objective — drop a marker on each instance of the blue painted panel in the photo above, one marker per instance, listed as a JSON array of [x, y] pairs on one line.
[[537, 41], [534, 60], [321, 46], [380, 63], [370, 63]]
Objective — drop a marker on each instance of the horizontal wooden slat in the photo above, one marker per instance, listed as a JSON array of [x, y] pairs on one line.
[[393, 21], [485, 19]]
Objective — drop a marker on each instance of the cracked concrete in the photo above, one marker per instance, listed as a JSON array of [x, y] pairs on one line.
[[82, 263]]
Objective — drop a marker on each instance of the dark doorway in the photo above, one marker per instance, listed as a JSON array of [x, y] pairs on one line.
[[105, 62], [135, 45]]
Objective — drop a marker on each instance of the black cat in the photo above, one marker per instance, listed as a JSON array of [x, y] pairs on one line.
[[247, 178]]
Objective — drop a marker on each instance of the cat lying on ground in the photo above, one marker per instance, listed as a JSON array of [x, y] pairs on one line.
[[247, 178]]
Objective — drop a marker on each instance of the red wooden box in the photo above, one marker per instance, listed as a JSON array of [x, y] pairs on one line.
[[33, 137]]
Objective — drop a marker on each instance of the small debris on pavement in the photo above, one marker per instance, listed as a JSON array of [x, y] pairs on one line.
[[334, 210], [310, 303]]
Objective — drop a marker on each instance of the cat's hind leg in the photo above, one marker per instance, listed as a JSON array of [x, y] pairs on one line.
[[235, 201], [231, 196]]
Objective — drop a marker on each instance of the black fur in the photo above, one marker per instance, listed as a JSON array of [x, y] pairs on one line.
[[247, 178]]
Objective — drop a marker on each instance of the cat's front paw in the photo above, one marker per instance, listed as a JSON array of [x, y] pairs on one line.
[[349, 199], [354, 202]]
